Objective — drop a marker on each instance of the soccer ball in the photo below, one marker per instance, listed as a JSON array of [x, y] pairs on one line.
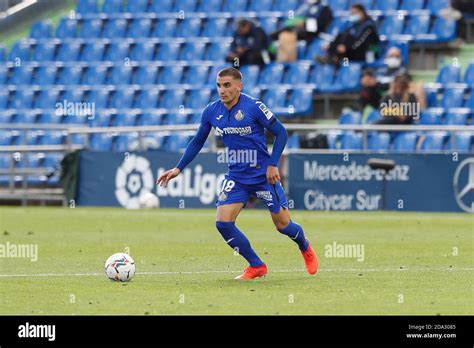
[[120, 267], [149, 200]]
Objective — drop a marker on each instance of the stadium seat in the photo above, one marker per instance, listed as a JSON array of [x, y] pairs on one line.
[[353, 117], [417, 25], [143, 51], [102, 119], [449, 74], [437, 5], [23, 117], [322, 75], [140, 27], [432, 116], [260, 5], [215, 27], [255, 92], [351, 141], [115, 28], [126, 142], [193, 50], [101, 142], [112, 6], [385, 5], [250, 75], [297, 73], [410, 5], [123, 98], [272, 74], [187, 6], [453, 98], [378, 141], [5, 117], [337, 25], [194, 118], [433, 141], [67, 28], [137, 6], [293, 141], [189, 27], [285, 5], [235, 6], [41, 30], [79, 139], [86, 6], [49, 117], [301, 101], [276, 98], [70, 75], [198, 98], [392, 25], [69, 51], [22, 75], [3, 74], [20, 50], [52, 160], [460, 142], [168, 51], [469, 76], [23, 99], [5, 140], [124, 119], [172, 99], [373, 116], [44, 51], [175, 119], [175, 142], [90, 29], [95, 75], [196, 75], [470, 101], [47, 98], [404, 142], [148, 98], [210, 6], [368, 4], [4, 98], [268, 24], [217, 51], [100, 97], [73, 95], [170, 75], [120, 75], [457, 117], [150, 119], [118, 51], [158, 6], [52, 138], [339, 5], [165, 28], [347, 79], [146, 75], [443, 29], [93, 51]]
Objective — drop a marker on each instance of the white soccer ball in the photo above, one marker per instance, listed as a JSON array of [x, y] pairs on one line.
[[120, 267], [149, 200]]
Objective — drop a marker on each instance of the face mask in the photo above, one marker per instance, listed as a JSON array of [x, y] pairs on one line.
[[354, 18], [393, 62]]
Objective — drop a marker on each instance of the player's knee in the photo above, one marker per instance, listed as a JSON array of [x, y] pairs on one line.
[[280, 224]]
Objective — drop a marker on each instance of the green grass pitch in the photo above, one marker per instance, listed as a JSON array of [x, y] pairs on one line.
[[414, 263]]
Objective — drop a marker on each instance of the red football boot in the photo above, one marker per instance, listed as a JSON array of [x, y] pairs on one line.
[[310, 259], [253, 272]]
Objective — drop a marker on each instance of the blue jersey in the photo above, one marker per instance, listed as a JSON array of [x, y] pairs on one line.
[[243, 132]]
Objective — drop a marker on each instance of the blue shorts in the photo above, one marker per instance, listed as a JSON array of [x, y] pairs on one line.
[[234, 192]]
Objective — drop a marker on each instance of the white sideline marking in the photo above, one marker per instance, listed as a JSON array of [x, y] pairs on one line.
[[468, 269]]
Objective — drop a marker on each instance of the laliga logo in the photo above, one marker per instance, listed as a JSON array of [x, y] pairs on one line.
[[133, 180], [462, 189]]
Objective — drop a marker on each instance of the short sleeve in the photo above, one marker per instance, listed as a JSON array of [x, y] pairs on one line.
[[263, 115]]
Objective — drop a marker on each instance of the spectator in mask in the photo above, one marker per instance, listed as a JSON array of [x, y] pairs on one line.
[[249, 46], [359, 42]]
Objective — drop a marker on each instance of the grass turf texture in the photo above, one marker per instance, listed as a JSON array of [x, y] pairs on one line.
[[409, 266]]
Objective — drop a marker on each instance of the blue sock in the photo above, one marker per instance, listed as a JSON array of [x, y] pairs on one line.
[[296, 233], [238, 241]]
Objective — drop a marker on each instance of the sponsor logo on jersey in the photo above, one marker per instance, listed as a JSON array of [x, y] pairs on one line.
[[268, 114], [234, 130]]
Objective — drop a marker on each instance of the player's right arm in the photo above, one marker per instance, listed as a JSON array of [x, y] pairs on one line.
[[193, 148]]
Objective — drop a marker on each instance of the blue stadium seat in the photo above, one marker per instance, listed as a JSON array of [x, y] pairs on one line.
[[235, 5], [22, 75], [193, 50], [385, 5], [41, 30], [93, 51], [368, 4], [150, 119], [301, 48], [272, 74], [417, 25], [171, 74], [215, 27], [431, 116], [437, 5], [70, 75], [87, 6], [143, 51], [102, 119], [44, 52], [168, 51], [124, 119], [194, 118], [444, 29], [297, 73], [95, 75], [118, 51], [52, 159], [67, 28], [404, 142], [410, 5], [217, 51], [453, 98], [433, 141], [148, 98], [101, 142], [175, 142], [347, 79], [210, 6], [392, 25], [293, 141], [137, 6], [5, 117], [115, 28], [470, 101], [140, 27], [255, 92], [175, 119], [276, 98], [120, 75], [23, 99], [301, 101], [315, 49], [52, 138], [23, 117], [3, 74], [268, 24], [73, 95], [47, 98], [158, 6], [456, 117], [449, 74], [196, 75], [339, 5], [285, 5], [49, 117], [373, 116], [337, 25], [378, 141], [353, 117], [172, 99], [112, 6], [351, 141], [69, 51], [187, 6], [199, 98], [146, 75], [20, 50], [322, 75], [123, 98], [250, 75], [460, 142], [100, 97], [166, 27], [90, 29], [260, 5], [79, 139], [4, 98], [125, 142], [189, 27], [469, 76], [5, 140]]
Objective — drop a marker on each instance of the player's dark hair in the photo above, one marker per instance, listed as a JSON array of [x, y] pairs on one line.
[[236, 74], [361, 8]]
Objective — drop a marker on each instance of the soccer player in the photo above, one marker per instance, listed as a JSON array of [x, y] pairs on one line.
[[242, 120]]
